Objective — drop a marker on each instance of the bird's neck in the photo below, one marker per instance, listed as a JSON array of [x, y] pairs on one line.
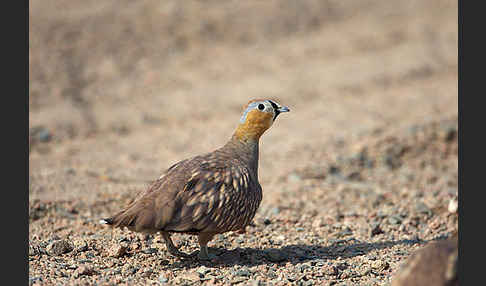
[[246, 149]]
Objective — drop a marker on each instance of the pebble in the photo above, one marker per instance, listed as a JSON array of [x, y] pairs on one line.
[[376, 229], [333, 170], [33, 280], [330, 270], [117, 250], [191, 276], [379, 265], [395, 219], [453, 205], [163, 279], [275, 255], [80, 245], [84, 270], [150, 250], [59, 247], [41, 133], [294, 178], [420, 207], [242, 272], [203, 270], [44, 135], [238, 280], [34, 250]]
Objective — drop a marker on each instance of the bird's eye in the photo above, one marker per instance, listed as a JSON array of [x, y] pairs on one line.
[[261, 106]]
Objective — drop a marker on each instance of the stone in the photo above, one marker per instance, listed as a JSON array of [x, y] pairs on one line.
[[117, 250], [275, 255], [162, 278], [59, 247], [453, 205], [84, 270]]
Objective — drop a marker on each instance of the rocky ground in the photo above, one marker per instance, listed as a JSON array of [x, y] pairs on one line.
[[358, 176]]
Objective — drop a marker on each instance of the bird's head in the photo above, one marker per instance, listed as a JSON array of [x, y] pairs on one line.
[[258, 116]]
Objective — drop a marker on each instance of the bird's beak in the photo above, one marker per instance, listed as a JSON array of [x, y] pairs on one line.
[[279, 110], [283, 109]]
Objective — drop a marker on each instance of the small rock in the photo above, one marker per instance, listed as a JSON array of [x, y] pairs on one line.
[[163, 279], [33, 280], [191, 276], [453, 205], [379, 265], [291, 277], [275, 211], [117, 250], [420, 207], [365, 270], [354, 176], [376, 229], [80, 245], [40, 133], [450, 134], [294, 178], [150, 250], [147, 272], [129, 270], [307, 283], [435, 264], [330, 270], [275, 255], [238, 280], [318, 223], [34, 249], [395, 219], [44, 135], [242, 272], [203, 270], [267, 221], [333, 170], [84, 270], [59, 247], [271, 273]]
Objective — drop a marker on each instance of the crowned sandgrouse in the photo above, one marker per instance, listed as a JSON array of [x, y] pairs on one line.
[[206, 194]]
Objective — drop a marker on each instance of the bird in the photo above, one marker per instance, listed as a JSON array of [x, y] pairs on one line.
[[207, 194]]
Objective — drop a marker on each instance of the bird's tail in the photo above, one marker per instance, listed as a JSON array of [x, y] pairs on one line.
[[108, 221]]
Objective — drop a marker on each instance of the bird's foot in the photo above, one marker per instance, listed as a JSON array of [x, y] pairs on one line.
[[205, 255]]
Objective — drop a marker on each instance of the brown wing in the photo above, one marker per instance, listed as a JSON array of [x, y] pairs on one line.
[[201, 194], [153, 208], [216, 199], [200, 202]]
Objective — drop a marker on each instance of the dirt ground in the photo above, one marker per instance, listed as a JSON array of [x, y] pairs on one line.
[[356, 177]]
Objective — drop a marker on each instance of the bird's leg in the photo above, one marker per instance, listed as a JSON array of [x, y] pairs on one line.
[[171, 247], [204, 238]]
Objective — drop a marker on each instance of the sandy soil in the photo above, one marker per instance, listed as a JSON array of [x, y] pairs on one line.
[[356, 177]]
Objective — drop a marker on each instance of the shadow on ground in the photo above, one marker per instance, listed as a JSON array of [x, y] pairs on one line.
[[294, 254]]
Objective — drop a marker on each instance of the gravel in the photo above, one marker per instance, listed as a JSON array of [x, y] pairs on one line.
[[361, 174]]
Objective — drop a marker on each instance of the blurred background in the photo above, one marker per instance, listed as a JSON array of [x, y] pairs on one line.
[[120, 90]]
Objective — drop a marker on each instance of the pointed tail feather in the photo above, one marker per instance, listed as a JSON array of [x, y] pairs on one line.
[[108, 221]]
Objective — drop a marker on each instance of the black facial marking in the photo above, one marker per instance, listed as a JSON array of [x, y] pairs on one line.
[[275, 109]]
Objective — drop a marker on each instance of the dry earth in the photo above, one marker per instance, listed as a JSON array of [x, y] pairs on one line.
[[356, 177]]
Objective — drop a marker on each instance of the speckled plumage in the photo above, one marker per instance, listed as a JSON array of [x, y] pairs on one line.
[[206, 194]]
